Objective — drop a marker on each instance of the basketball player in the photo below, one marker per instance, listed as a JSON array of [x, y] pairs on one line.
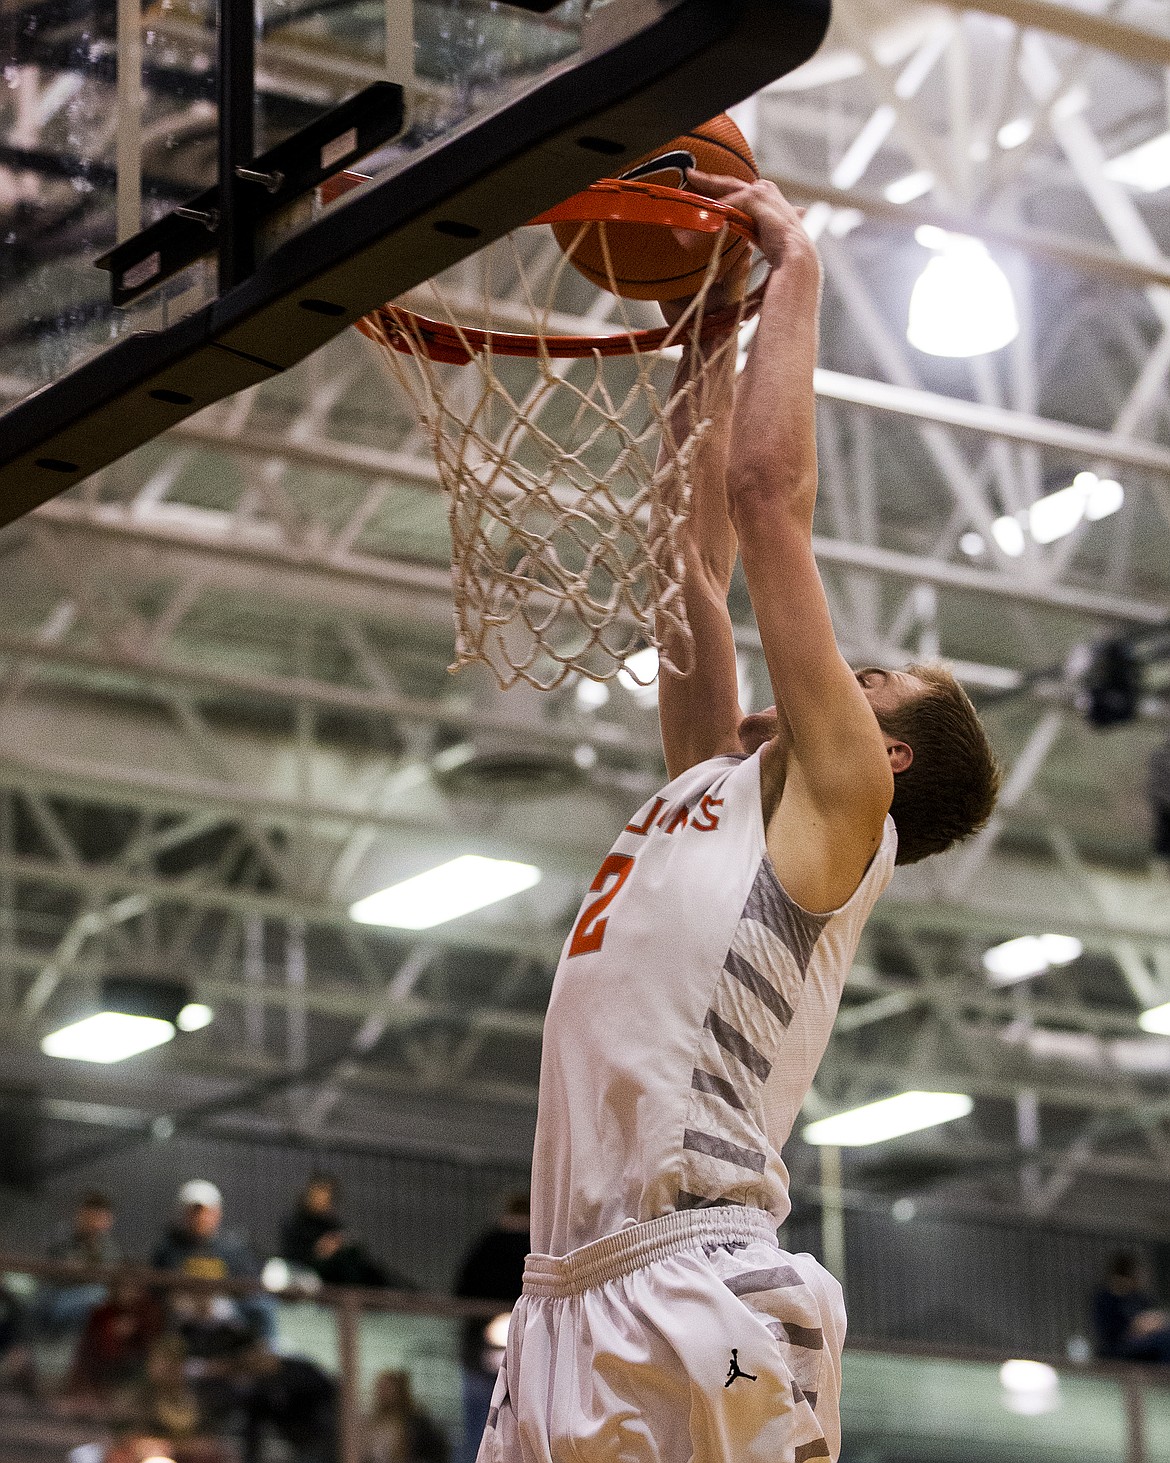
[[661, 1323]]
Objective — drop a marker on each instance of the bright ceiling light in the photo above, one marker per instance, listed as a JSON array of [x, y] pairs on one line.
[[639, 674], [1014, 133], [962, 303], [194, 1016], [445, 893], [909, 1112], [1056, 514], [1087, 496], [972, 544], [1146, 168], [1156, 1019], [591, 695], [110, 1036], [1009, 536], [910, 187], [1106, 496], [1029, 955]]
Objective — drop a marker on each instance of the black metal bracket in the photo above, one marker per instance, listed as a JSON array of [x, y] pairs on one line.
[[271, 182]]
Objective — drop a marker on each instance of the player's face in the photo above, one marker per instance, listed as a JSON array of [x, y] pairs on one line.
[[885, 690]]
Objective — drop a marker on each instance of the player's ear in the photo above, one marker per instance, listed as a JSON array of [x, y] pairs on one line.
[[901, 754]]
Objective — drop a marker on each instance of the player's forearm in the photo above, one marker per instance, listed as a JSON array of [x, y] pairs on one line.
[[707, 538], [772, 461]]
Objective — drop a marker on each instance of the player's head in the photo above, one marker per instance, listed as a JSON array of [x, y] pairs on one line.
[[946, 789]]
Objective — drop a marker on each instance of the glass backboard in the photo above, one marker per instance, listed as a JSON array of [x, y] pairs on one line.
[[136, 290]]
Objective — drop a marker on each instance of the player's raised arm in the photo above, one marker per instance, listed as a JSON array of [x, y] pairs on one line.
[[837, 768], [699, 712]]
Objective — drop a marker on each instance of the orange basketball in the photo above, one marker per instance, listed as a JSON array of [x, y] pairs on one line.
[[653, 263]]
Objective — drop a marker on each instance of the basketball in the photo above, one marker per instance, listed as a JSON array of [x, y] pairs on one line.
[[654, 263]]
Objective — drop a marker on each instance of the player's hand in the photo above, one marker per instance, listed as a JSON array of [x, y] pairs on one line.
[[780, 234], [724, 294]]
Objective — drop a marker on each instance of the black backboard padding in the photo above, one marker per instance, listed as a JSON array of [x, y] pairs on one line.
[[638, 90]]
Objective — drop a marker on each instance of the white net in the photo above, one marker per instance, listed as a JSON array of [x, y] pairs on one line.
[[568, 480]]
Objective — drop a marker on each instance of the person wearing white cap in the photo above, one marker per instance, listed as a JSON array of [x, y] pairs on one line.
[[196, 1244]]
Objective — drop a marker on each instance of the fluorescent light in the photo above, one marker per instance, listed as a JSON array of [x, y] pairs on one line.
[[910, 187], [1062, 949], [110, 1036], [909, 1112], [1146, 168], [1009, 536], [1056, 514], [194, 1016], [639, 673], [591, 695], [1156, 1019], [444, 893], [1087, 496], [1014, 133], [962, 304], [1105, 497], [1029, 955]]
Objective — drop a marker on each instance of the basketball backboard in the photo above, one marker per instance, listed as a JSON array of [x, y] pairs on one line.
[[470, 115]]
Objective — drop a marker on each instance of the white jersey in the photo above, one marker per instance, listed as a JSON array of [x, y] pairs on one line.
[[691, 1007]]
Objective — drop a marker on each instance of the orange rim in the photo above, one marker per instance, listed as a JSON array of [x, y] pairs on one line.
[[608, 201]]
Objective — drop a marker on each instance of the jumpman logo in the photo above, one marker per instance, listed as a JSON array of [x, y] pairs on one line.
[[734, 1370]]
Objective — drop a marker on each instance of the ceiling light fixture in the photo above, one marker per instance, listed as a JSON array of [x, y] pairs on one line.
[[108, 1036], [639, 675], [1156, 1020], [962, 304], [910, 187], [1028, 956], [1146, 167], [194, 1016], [891, 1117], [1014, 133], [445, 893]]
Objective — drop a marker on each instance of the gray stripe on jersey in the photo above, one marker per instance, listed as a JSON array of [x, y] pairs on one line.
[[759, 985], [770, 904], [738, 1045], [700, 1201], [715, 1147], [810, 1337], [753, 1282], [707, 1082]]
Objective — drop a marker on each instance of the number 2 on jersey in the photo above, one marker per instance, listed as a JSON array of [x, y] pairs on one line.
[[590, 930]]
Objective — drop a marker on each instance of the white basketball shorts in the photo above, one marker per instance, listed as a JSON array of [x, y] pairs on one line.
[[692, 1338]]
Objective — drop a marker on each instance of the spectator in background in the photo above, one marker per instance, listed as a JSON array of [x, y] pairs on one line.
[[493, 1269], [397, 1429], [87, 1241], [293, 1398], [114, 1345], [1129, 1322], [315, 1238], [197, 1245]]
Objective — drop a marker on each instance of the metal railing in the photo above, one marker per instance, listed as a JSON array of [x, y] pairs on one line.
[[903, 1402]]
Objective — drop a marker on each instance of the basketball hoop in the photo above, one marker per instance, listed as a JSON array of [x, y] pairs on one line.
[[565, 517]]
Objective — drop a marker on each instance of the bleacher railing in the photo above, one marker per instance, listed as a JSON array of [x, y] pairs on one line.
[[901, 1403]]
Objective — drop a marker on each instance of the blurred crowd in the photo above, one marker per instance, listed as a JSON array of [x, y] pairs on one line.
[[193, 1371]]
